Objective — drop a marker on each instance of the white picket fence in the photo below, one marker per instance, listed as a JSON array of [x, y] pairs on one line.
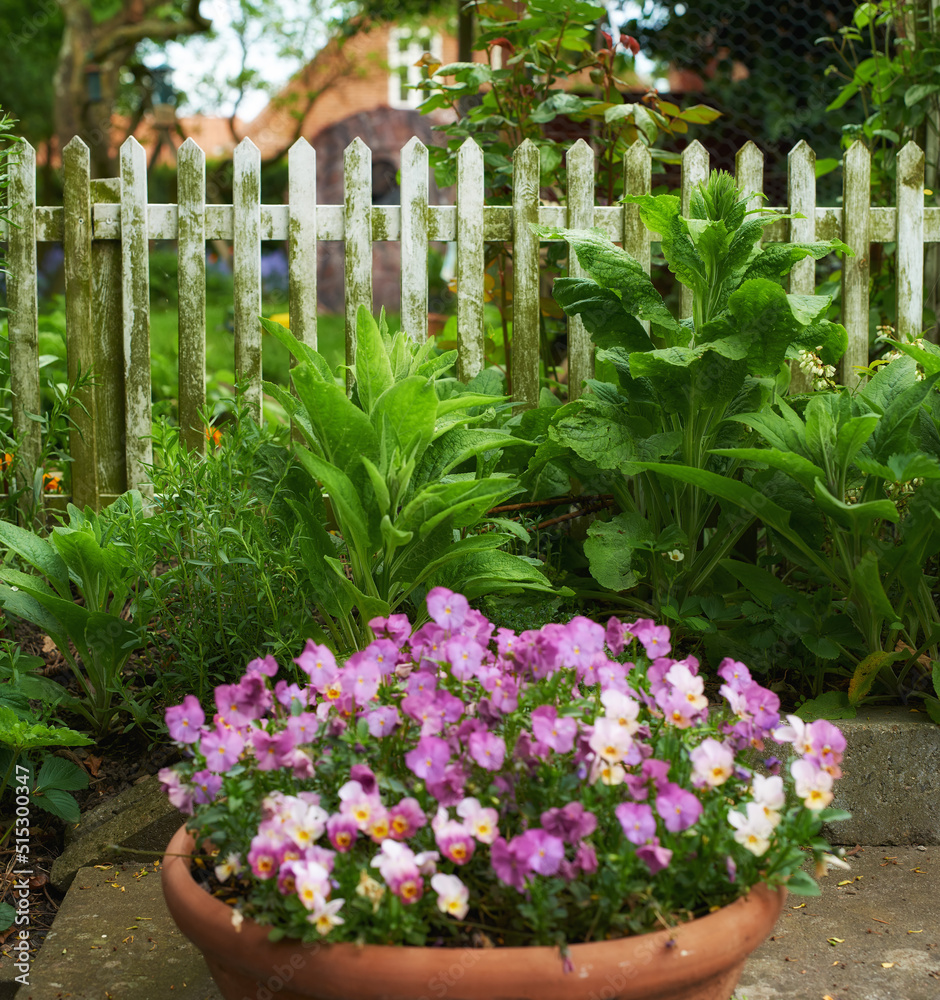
[[105, 227]]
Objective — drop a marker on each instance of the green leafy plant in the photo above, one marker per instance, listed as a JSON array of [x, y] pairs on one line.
[[406, 478], [849, 489], [78, 556], [216, 552], [665, 395]]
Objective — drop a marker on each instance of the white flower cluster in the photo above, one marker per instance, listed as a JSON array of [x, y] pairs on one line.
[[811, 363], [886, 335]]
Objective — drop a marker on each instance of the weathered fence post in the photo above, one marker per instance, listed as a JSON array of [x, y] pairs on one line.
[[856, 216], [471, 260], [191, 182], [695, 162], [302, 241], [801, 199], [580, 163], [357, 166], [108, 364], [246, 270], [524, 368], [135, 258], [910, 222], [414, 240], [80, 342], [24, 309]]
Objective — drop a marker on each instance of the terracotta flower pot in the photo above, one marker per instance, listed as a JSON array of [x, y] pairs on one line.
[[700, 960]]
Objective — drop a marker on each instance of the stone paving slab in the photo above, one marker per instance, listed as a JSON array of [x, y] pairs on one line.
[[875, 938], [113, 939]]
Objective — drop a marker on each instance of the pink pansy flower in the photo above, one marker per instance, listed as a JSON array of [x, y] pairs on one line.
[[181, 796], [185, 721], [548, 728], [712, 763], [679, 809], [446, 608], [312, 881], [206, 786], [637, 821], [399, 868], [221, 748], [319, 664], [453, 838], [488, 750], [654, 855], [482, 822], [770, 795], [382, 720], [813, 784], [266, 665], [464, 656], [623, 709], [405, 819], [610, 740], [264, 856], [688, 685], [429, 758], [655, 638], [342, 830], [360, 679], [543, 853], [452, 895], [397, 628], [272, 750], [571, 822], [325, 915]]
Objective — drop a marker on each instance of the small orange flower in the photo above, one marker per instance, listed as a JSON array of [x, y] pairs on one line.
[[52, 482], [6, 460], [214, 436]]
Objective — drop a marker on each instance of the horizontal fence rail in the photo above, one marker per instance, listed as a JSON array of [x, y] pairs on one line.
[[105, 227]]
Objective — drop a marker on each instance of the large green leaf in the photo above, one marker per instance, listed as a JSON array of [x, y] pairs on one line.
[[368, 606], [96, 570], [38, 552], [802, 470], [831, 705], [492, 572], [857, 514], [302, 352], [462, 503], [59, 803], [458, 445], [14, 732], [343, 431], [597, 432], [777, 259], [610, 546], [602, 312], [613, 268], [372, 368], [315, 546], [404, 416], [56, 772], [356, 525]]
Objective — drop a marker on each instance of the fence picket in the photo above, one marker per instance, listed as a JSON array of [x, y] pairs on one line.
[[302, 241], [910, 259], [246, 270], [135, 263], [414, 240], [524, 366], [107, 269], [801, 199], [24, 309], [695, 167], [470, 269], [856, 211], [580, 162], [637, 179], [357, 169], [749, 173], [80, 347], [192, 293]]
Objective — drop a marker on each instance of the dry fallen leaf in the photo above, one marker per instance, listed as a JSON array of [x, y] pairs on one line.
[[800, 907], [47, 644], [887, 965], [915, 932]]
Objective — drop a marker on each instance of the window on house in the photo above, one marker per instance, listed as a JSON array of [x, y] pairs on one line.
[[405, 48]]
